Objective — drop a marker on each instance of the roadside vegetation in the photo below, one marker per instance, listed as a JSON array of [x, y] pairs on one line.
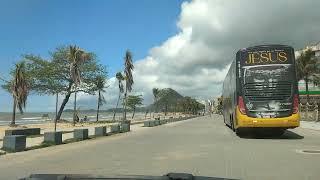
[[307, 66], [70, 70]]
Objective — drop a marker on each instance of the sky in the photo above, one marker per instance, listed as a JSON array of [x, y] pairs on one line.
[[185, 45]]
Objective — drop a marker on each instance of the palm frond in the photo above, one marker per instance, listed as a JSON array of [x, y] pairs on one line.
[[120, 78], [20, 87], [101, 100], [76, 57], [128, 70], [306, 65]]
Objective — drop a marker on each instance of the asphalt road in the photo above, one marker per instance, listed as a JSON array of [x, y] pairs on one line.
[[202, 146]]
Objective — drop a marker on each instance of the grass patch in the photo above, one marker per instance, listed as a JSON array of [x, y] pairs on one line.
[[67, 141], [2, 153], [92, 136], [6, 150], [70, 141], [64, 132], [35, 136], [42, 145]]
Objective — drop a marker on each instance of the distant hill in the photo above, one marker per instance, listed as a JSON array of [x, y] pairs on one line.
[[167, 98], [168, 95], [138, 109]]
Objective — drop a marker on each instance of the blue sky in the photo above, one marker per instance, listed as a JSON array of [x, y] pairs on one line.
[[107, 28], [187, 46]]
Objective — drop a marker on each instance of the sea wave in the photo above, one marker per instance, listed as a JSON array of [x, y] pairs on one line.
[[31, 118], [23, 122]]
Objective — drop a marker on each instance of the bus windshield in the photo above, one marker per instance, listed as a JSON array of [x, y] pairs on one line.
[[267, 74]]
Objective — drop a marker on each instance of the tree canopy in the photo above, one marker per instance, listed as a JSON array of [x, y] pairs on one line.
[[134, 101], [52, 76], [307, 67]]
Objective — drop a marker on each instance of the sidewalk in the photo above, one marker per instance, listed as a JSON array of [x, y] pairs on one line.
[[33, 141], [310, 125]]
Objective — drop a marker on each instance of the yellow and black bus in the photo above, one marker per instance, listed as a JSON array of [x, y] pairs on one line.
[[260, 91]]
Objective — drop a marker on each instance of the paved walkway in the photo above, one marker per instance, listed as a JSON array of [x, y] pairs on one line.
[[310, 125], [33, 141]]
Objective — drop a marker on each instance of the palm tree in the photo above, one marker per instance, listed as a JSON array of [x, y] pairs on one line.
[[155, 92], [100, 83], [76, 57], [306, 68], [120, 78], [20, 89], [128, 78]]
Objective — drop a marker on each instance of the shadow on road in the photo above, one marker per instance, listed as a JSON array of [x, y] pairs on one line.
[[287, 135]]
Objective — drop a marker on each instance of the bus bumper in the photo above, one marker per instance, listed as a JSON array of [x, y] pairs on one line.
[[243, 120]]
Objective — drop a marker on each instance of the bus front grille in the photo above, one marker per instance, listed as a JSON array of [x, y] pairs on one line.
[[267, 92]]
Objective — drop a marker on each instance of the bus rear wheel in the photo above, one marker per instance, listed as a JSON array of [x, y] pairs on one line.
[[278, 132]]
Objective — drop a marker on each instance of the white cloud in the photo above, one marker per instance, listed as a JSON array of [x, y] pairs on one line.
[[195, 61]]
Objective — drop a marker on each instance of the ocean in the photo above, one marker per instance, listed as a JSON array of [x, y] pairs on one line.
[[36, 117]]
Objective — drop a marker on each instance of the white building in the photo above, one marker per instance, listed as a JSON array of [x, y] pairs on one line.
[[314, 47]]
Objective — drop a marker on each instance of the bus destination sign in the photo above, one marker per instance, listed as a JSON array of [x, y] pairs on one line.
[[264, 57]]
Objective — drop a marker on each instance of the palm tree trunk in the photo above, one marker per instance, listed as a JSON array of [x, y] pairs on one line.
[[55, 119], [165, 113], [13, 122], [154, 109], [115, 110], [307, 89], [74, 108], [125, 106], [63, 104], [134, 110], [98, 106]]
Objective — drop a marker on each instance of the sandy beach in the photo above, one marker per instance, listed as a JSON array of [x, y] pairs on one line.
[[68, 126]]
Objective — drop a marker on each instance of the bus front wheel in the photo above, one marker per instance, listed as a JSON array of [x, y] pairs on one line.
[[239, 132], [232, 124]]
